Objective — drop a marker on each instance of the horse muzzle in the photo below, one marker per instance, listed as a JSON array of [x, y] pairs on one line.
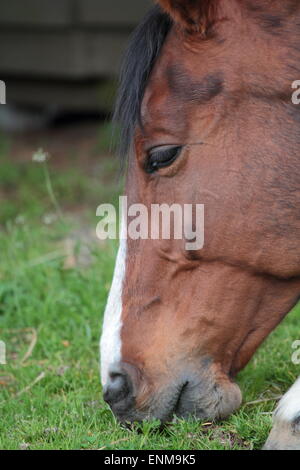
[[189, 395]]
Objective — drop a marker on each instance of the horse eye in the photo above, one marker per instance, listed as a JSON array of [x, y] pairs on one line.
[[161, 157]]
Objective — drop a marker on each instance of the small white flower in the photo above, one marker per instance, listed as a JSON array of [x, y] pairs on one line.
[[40, 156]]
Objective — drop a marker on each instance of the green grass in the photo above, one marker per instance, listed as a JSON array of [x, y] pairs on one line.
[[48, 293]]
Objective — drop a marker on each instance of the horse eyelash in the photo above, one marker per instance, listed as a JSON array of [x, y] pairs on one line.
[[151, 167]]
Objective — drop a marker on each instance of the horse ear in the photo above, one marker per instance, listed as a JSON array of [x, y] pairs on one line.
[[192, 15]]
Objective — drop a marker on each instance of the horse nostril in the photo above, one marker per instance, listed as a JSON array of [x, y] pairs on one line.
[[118, 388]]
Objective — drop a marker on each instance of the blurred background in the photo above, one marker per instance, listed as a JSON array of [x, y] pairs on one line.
[[60, 61], [61, 57]]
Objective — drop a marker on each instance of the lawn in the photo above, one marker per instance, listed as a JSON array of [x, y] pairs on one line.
[[54, 280]]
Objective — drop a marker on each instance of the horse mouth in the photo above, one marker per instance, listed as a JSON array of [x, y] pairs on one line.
[[196, 396], [188, 402], [183, 407], [179, 405]]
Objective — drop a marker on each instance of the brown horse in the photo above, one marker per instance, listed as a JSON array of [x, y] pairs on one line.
[[205, 105]]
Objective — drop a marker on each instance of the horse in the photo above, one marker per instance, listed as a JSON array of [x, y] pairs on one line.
[[206, 117]]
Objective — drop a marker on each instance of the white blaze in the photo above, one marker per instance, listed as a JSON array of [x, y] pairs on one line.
[[110, 343]]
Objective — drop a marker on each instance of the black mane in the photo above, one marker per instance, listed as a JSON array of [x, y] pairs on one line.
[[143, 49]]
